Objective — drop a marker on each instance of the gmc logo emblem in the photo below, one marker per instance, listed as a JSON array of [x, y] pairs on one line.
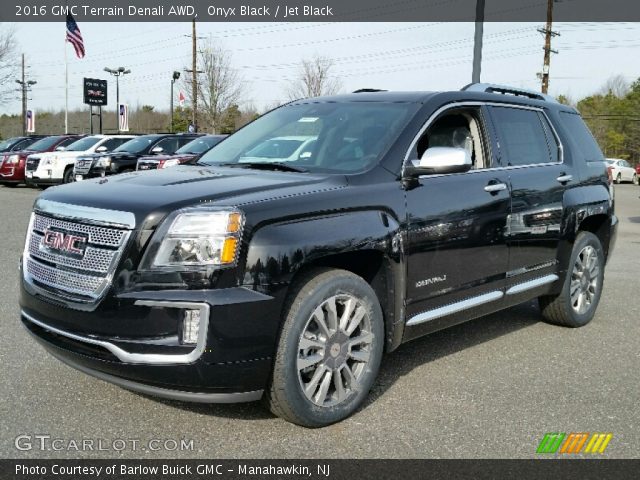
[[66, 243]]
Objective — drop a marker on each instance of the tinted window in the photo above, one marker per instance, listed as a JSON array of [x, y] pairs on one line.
[[83, 144], [523, 139], [136, 145], [114, 143], [44, 144], [169, 145], [199, 145], [582, 137]]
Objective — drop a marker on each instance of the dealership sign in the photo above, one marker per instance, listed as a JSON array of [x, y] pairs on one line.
[[95, 91]]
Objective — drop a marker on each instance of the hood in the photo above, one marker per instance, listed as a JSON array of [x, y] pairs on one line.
[[151, 195], [62, 154]]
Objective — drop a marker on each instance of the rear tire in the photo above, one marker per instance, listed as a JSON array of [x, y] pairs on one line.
[[576, 304], [329, 350]]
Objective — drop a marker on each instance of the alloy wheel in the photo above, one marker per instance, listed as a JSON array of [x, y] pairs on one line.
[[334, 350], [584, 280]]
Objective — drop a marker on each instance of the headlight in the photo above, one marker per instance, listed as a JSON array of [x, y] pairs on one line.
[[49, 161], [200, 237], [170, 163], [103, 162], [13, 159]]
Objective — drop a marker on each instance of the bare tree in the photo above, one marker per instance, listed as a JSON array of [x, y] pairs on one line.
[[616, 85], [314, 79], [219, 86], [7, 60]]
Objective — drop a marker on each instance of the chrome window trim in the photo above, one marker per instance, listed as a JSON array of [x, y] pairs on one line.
[[454, 308], [475, 103], [144, 358], [531, 284], [83, 214]]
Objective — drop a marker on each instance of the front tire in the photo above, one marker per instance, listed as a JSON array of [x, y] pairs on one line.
[[576, 304], [68, 175], [635, 179], [329, 350], [619, 179]]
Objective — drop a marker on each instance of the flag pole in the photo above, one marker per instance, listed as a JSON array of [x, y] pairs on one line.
[[66, 88]]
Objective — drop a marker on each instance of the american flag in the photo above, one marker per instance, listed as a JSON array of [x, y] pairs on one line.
[[123, 117], [74, 36]]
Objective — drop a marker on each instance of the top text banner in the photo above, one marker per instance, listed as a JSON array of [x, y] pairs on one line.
[[318, 10]]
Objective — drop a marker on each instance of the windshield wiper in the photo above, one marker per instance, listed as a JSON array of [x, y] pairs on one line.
[[281, 166]]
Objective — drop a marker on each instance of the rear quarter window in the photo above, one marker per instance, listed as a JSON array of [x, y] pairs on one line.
[[582, 137]]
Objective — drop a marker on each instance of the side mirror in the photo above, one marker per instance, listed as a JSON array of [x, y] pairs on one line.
[[156, 150], [440, 160], [101, 149]]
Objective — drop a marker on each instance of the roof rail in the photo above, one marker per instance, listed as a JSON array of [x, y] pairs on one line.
[[507, 90], [368, 90]]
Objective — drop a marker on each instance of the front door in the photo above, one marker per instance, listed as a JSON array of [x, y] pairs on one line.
[[457, 253]]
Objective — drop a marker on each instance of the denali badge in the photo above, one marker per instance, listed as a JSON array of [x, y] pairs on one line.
[[431, 281], [65, 243]]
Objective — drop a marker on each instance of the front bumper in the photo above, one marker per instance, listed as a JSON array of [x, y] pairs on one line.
[[230, 362]]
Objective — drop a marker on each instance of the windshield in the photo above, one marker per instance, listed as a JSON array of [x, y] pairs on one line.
[[136, 145], [316, 137], [44, 144], [6, 144], [83, 144], [199, 145]]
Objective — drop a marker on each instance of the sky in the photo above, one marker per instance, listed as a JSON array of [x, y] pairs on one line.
[[392, 56]]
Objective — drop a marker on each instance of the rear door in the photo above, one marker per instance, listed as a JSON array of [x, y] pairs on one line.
[[529, 149]]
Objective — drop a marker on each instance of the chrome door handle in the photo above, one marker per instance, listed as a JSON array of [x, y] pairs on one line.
[[564, 178], [495, 187]]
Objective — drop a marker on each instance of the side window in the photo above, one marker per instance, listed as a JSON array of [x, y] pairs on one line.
[[66, 142], [169, 145], [113, 143], [525, 137], [183, 141], [22, 144], [458, 128], [582, 137]]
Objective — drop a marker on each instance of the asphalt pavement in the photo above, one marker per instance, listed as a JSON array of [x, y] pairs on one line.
[[490, 388]]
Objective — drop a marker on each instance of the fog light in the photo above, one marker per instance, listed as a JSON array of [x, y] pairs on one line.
[[190, 326]]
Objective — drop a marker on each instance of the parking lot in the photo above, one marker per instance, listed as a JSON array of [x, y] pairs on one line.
[[490, 388]]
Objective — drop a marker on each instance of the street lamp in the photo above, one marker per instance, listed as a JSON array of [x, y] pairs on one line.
[[117, 72], [176, 76]]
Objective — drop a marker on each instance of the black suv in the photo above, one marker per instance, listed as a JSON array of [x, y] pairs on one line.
[[242, 278], [125, 157]]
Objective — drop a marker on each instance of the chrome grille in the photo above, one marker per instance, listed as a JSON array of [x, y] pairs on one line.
[[60, 279], [109, 237], [83, 279], [32, 163], [95, 259]]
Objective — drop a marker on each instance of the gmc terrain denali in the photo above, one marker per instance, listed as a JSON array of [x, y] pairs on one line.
[[243, 277]]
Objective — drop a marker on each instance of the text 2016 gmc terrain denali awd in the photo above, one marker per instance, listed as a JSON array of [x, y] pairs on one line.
[[237, 279]]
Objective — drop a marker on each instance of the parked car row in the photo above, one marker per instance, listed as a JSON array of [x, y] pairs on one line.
[[52, 160]]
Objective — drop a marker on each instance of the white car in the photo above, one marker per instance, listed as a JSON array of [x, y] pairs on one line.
[[622, 171], [281, 149], [56, 167]]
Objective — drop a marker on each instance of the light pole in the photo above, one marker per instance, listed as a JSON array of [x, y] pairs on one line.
[[117, 72], [176, 76], [25, 86]]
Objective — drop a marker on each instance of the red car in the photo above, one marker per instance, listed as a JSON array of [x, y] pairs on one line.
[[187, 154], [12, 164]]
